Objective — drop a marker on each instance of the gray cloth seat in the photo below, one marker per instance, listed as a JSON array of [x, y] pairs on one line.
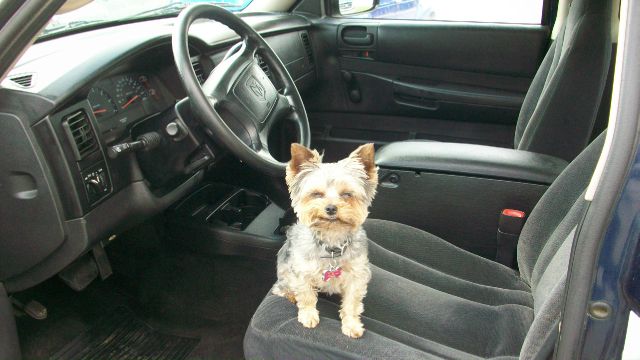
[[429, 299], [418, 256], [560, 108]]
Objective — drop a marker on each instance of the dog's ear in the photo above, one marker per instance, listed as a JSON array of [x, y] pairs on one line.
[[366, 155], [300, 156]]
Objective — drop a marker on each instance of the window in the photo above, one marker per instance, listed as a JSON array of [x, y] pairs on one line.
[[79, 14], [487, 11]]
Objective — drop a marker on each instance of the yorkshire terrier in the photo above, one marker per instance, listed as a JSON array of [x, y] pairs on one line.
[[326, 250]]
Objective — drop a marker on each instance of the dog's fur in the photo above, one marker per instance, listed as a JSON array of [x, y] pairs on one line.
[[348, 185]]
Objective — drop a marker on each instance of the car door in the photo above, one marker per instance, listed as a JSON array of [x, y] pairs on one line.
[[454, 70]]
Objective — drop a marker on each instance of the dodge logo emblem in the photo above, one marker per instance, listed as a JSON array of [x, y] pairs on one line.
[[256, 88]]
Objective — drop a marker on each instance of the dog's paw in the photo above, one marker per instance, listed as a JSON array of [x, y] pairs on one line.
[[309, 318], [352, 327]]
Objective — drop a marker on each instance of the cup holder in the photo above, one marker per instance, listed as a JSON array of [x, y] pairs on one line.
[[221, 219], [239, 210]]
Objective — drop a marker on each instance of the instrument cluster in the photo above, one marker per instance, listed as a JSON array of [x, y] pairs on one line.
[[122, 99]]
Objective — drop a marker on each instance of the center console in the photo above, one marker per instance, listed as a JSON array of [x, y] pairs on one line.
[[227, 220], [458, 191]]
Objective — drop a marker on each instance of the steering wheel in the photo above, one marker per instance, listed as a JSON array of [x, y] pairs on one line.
[[238, 103]]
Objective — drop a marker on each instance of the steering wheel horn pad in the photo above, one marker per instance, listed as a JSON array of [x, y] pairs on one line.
[[238, 88], [256, 92]]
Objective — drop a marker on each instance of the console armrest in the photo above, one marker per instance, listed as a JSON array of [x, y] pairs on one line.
[[468, 159]]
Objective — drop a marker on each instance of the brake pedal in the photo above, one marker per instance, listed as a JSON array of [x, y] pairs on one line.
[[36, 310], [32, 308]]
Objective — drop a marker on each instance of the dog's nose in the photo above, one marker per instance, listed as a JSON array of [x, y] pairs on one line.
[[331, 209]]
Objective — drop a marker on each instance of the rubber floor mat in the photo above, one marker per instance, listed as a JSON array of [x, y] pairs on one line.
[[121, 335]]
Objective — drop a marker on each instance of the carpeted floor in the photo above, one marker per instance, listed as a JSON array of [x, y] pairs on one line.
[[172, 291], [120, 334]]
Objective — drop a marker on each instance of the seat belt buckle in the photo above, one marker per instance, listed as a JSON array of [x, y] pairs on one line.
[[511, 221], [509, 228]]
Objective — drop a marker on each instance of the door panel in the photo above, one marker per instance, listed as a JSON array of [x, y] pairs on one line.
[[512, 50], [390, 80]]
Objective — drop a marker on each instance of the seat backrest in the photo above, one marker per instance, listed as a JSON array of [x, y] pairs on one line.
[[560, 108], [555, 216], [545, 244]]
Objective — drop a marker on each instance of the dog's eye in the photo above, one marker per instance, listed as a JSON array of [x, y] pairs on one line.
[[346, 195], [317, 194]]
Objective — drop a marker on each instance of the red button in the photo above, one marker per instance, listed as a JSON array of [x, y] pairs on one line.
[[513, 213]]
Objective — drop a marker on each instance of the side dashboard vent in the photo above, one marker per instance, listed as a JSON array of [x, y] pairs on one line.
[[79, 132], [24, 80], [265, 67], [307, 46], [197, 68]]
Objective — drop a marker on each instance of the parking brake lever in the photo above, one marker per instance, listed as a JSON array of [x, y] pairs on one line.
[[146, 142]]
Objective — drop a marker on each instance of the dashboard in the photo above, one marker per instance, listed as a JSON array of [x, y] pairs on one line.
[[80, 103]]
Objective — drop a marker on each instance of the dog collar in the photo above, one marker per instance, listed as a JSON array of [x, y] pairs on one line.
[[335, 251]]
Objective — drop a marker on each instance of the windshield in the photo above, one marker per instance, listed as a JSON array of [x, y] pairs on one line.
[[114, 11]]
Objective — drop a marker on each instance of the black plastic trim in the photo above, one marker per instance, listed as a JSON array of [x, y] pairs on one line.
[[458, 93], [461, 208], [469, 159], [127, 208]]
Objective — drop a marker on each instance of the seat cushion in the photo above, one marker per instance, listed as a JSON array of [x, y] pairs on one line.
[[404, 319], [460, 306]]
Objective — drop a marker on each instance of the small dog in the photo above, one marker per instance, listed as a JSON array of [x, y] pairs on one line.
[[326, 250]]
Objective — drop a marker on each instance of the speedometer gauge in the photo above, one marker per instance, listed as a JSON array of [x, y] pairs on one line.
[[129, 92], [102, 103]]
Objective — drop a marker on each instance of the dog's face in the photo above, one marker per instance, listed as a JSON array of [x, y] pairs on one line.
[[332, 196]]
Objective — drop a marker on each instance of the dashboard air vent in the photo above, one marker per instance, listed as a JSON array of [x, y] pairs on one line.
[[307, 46], [24, 80], [265, 67], [197, 68], [79, 132]]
